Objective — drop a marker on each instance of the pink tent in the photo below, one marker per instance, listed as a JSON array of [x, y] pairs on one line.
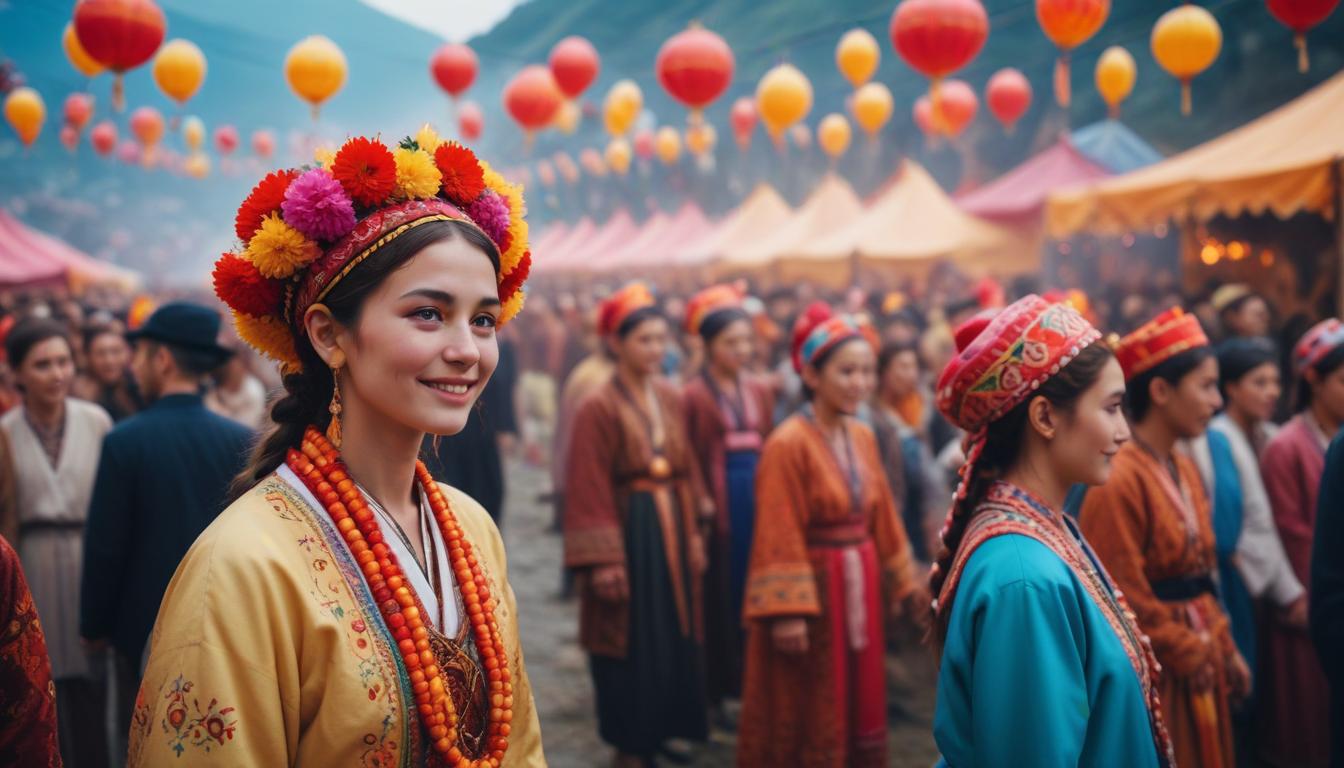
[[549, 259], [82, 268], [580, 254], [547, 239], [1018, 197], [20, 263], [631, 253]]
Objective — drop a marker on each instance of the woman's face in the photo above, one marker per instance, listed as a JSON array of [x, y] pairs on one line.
[[1250, 319], [643, 349], [1256, 393], [1328, 393], [731, 350], [847, 379], [901, 376], [1193, 400], [109, 356], [46, 372], [1090, 434], [424, 345]]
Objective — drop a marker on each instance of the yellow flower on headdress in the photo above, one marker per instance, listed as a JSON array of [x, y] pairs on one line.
[[278, 250], [428, 138], [513, 194], [268, 335], [418, 178], [324, 157], [512, 306]]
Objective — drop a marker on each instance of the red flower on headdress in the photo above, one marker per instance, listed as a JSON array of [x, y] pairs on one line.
[[239, 284], [515, 279], [264, 200], [367, 171], [463, 178]]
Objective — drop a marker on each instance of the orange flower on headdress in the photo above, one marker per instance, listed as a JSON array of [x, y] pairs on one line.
[[279, 250], [463, 179], [268, 335], [241, 285], [264, 200], [515, 279], [366, 170]]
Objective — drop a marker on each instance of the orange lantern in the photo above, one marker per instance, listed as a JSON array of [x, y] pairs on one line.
[[25, 111], [315, 69], [783, 97], [833, 134], [743, 120], [957, 108], [193, 133], [103, 137], [532, 99], [857, 56], [1115, 77], [147, 125], [1300, 16], [78, 110], [1186, 41], [1069, 24], [622, 106], [695, 66], [1009, 96], [618, 156], [179, 70], [667, 144], [872, 107], [701, 139], [79, 58], [119, 34], [923, 116], [574, 65]]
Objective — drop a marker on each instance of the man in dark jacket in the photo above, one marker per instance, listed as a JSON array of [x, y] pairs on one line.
[[1327, 589], [162, 479]]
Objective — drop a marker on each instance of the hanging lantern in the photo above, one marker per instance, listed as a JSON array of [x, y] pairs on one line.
[[470, 121], [197, 166], [193, 133], [938, 37], [783, 97], [695, 66], [453, 66], [857, 56], [701, 139], [574, 65], [263, 144], [618, 156], [567, 118], [226, 139], [119, 34], [833, 135], [1008, 95], [645, 145], [69, 137], [957, 108], [668, 145], [103, 137], [179, 70], [532, 99], [622, 106], [25, 111], [1069, 24], [315, 70], [1300, 16], [1115, 77], [872, 107], [923, 116], [147, 125], [79, 58], [78, 110], [742, 118], [546, 173], [1186, 41]]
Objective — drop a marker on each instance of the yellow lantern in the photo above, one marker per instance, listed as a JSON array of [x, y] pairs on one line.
[[1115, 77], [618, 156], [193, 133], [621, 109], [783, 97], [79, 58], [315, 69], [701, 139], [857, 56], [872, 107], [197, 166], [1186, 40], [179, 70], [25, 111], [667, 144], [567, 118], [833, 134]]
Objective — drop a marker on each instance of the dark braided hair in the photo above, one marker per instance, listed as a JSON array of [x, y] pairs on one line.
[[308, 392]]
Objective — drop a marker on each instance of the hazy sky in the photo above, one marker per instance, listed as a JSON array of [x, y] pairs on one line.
[[456, 20]]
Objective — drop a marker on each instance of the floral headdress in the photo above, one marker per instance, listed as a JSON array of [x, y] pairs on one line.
[[304, 229]]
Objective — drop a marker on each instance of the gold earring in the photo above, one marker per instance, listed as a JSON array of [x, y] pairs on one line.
[[334, 428]]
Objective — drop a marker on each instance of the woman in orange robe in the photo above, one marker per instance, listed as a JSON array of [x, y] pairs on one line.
[[828, 539], [1151, 525]]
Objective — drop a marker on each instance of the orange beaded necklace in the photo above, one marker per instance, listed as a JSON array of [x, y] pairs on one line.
[[319, 465]]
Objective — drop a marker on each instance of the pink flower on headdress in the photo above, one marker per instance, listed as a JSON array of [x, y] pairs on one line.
[[491, 214], [317, 206]]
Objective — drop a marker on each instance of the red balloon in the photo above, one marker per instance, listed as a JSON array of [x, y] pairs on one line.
[[743, 119], [119, 34], [938, 37], [128, 152], [923, 114], [645, 144], [956, 107], [454, 68], [78, 110], [532, 98], [104, 137], [470, 121], [1301, 15], [574, 64], [1009, 96], [695, 67], [226, 139], [69, 137], [263, 143]]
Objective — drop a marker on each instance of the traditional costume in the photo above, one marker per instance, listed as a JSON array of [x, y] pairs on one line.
[[1042, 661], [27, 696], [726, 427], [1295, 716], [1327, 585], [1151, 525], [632, 498], [299, 630], [826, 543]]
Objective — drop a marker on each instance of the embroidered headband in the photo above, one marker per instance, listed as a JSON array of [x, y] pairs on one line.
[[710, 302], [1323, 338], [304, 230], [819, 330], [619, 306], [1157, 341]]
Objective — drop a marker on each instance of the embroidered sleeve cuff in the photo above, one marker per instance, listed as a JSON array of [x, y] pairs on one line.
[[784, 590], [594, 546]]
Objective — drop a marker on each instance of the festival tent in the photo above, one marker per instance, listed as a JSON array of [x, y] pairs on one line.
[[660, 237], [28, 256], [758, 215], [833, 204], [1113, 146], [580, 254], [552, 259], [909, 227], [548, 239], [628, 253]]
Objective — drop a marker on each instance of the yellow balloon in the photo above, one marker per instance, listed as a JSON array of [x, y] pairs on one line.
[[857, 56], [1186, 40], [621, 109], [79, 58], [197, 166], [667, 144], [193, 133], [567, 118], [25, 112], [179, 69], [315, 69], [701, 138], [618, 156], [1115, 76], [833, 135], [783, 97], [872, 107]]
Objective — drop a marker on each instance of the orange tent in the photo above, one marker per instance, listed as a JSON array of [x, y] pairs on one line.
[[761, 213], [832, 205]]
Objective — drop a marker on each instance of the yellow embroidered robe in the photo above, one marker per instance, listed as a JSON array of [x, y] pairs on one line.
[[269, 650]]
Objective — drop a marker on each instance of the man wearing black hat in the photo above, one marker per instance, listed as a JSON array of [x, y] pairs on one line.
[[162, 478]]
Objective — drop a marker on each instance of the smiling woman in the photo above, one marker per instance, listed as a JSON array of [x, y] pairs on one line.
[[380, 622]]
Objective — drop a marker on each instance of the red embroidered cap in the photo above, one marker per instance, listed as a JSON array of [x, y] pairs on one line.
[[1323, 338], [709, 301], [1160, 339], [617, 307]]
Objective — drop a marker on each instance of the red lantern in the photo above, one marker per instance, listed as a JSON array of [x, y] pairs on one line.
[[695, 66], [574, 65], [454, 68], [263, 143], [69, 137], [645, 144], [226, 139], [938, 37], [1009, 96], [923, 115], [119, 34], [104, 137], [1069, 24], [955, 108], [532, 99], [743, 120], [470, 121], [1300, 16], [78, 110]]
